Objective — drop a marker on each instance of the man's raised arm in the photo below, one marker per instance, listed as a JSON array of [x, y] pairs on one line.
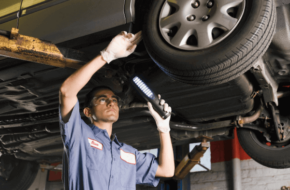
[[166, 165], [121, 46]]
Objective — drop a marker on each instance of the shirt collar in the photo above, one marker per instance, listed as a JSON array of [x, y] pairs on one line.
[[97, 130], [116, 140]]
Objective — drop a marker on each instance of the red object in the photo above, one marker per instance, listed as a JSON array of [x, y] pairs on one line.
[[227, 150], [54, 175]]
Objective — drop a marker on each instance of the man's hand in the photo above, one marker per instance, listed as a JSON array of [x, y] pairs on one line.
[[121, 46], [162, 124], [166, 160]]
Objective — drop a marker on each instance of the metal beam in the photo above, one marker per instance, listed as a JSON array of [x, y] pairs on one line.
[[190, 160], [237, 174], [35, 50]]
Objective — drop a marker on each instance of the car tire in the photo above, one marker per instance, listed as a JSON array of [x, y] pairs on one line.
[[273, 157], [221, 62], [21, 177]]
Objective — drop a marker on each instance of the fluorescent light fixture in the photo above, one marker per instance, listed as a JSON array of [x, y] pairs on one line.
[[142, 86]]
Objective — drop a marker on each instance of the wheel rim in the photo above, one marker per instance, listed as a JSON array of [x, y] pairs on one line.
[[199, 24]]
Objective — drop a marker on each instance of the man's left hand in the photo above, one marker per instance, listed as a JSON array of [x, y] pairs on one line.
[[162, 124]]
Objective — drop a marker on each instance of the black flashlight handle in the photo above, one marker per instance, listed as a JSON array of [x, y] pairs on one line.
[[158, 108], [154, 101]]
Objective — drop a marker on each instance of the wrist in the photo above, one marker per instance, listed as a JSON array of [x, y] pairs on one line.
[[102, 58], [164, 133], [162, 125], [107, 56], [163, 128]]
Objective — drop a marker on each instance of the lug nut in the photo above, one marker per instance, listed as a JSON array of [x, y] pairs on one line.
[[191, 18], [169, 32], [283, 72], [195, 4], [205, 17], [210, 4]]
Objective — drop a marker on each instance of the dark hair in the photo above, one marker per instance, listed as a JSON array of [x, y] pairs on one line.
[[92, 93]]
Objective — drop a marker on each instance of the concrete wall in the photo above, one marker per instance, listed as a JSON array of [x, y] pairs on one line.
[[254, 177]]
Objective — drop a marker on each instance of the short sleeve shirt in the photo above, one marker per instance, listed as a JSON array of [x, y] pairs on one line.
[[92, 161]]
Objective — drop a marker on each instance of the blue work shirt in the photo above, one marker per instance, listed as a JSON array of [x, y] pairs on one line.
[[92, 161]]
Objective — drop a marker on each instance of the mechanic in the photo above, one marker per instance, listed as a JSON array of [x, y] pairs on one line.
[[93, 157]]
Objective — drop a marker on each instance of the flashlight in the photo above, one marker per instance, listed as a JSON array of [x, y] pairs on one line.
[[149, 96]]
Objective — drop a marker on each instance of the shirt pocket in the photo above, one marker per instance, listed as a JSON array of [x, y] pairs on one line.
[[95, 157], [128, 174]]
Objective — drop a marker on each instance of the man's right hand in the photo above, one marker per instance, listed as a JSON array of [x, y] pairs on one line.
[[122, 45]]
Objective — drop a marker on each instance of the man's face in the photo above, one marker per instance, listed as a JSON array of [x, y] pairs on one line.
[[105, 107]]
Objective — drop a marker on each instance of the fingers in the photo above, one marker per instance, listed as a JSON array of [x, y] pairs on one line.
[[131, 38], [132, 48], [130, 35], [169, 109], [123, 33], [165, 108], [121, 46], [136, 38], [162, 101], [150, 107]]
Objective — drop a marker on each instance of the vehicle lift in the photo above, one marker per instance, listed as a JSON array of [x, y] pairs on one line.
[[185, 161]]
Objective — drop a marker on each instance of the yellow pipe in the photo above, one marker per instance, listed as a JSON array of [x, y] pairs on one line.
[[189, 161]]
